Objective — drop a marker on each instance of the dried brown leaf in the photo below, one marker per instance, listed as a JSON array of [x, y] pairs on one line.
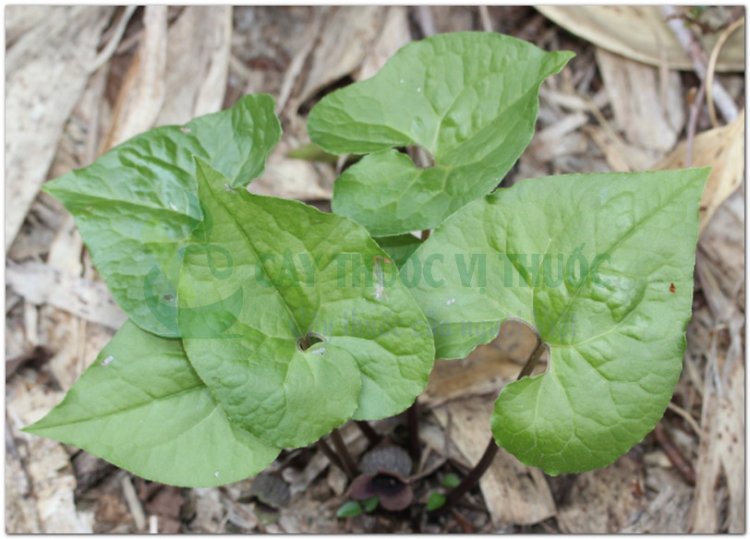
[[394, 35], [345, 39], [722, 149], [514, 493], [47, 463], [43, 284], [143, 90], [46, 72], [648, 110], [667, 511], [293, 178], [198, 63], [639, 32], [485, 370], [604, 500]]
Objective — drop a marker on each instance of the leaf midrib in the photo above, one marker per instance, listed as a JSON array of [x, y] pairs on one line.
[[633, 229], [126, 409], [244, 233]]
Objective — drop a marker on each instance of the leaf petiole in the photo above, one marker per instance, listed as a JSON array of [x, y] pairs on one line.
[[476, 473], [343, 452]]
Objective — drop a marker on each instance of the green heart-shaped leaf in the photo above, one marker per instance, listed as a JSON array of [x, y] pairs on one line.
[[323, 329], [469, 98], [136, 205], [602, 266], [142, 407]]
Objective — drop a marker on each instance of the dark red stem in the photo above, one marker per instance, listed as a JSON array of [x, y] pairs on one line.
[[412, 420], [372, 436], [330, 453], [343, 452], [476, 473]]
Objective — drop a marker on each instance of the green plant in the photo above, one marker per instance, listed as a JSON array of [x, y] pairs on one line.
[[258, 323]]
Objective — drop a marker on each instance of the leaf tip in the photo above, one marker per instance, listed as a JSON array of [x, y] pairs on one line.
[[201, 166], [54, 189], [559, 59], [703, 172], [36, 427]]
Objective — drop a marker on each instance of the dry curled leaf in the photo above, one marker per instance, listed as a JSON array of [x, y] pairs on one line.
[[198, 59], [648, 108], [723, 150], [639, 32], [513, 492]]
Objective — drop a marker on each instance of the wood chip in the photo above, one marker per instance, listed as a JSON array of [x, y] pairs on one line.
[[42, 284], [648, 110], [337, 480], [134, 504], [198, 60], [604, 500], [20, 19], [143, 89], [620, 156], [560, 138], [394, 35], [46, 461], [667, 511], [721, 455]]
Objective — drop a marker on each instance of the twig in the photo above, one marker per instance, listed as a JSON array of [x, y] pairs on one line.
[[153, 524], [369, 432], [290, 458], [693, 123], [711, 70], [298, 63], [240, 69], [343, 452], [412, 421], [111, 46], [697, 56], [134, 504], [423, 15], [466, 526], [674, 454], [330, 453], [684, 414], [484, 17]]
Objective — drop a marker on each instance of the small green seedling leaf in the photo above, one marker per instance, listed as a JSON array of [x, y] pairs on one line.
[[450, 480], [303, 324], [142, 407], [470, 99], [137, 204], [435, 501], [602, 266], [370, 504], [349, 509]]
